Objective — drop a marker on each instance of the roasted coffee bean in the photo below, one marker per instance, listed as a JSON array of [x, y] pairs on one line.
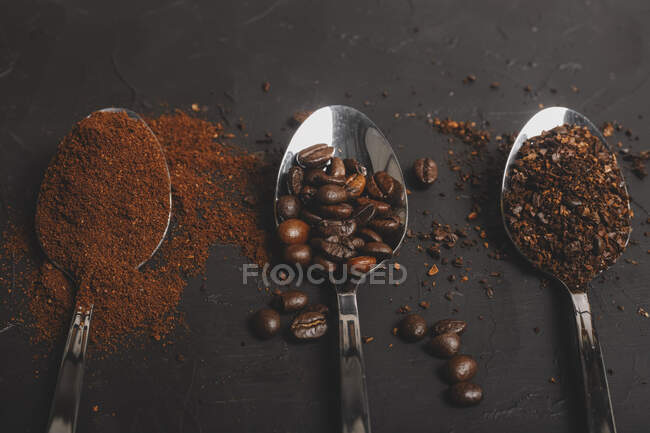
[[317, 177], [412, 328], [379, 250], [386, 225], [336, 228], [310, 217], [357, 242], [293, 231], [307, 193], [297, 254], [309, 325], [373, 189], [398, 196], [291, 300], [385, 182], [336, 167], [426, 170], [315, 156], [465, 394], [333, 248], [354, 166], [331, 194], [265, 323], [461, 368], [361, 265], [449, 325], [381, 207], [355, 185], [444, 345], [369, 235], [338, 211], [318, 308], [295, 178], [363, 214], [328, 266], [288, 206]]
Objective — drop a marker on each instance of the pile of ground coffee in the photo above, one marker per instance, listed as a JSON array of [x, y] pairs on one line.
[[566, 205], [213, 186]]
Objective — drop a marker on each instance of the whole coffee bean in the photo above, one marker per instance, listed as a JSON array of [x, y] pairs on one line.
[[361, 265], [307, 193], [369, 235], [333, 248], [315, 156], [309, 325], [288, 206], [461, 368], [331, 194], [291, 300], [379, 250], [297, 254], [412, 328], [465, 394], [310, 217], [398, 197], [355, 185], [373, 189], [444, 345], [317, 177], [295, 177], [328, 266], [337, 167], [449, 325], [363, 214], [385, 182], [381, 207], [337, 211], [328, 228], [386, 225], [354, 166], [265, 323], [293, 231], [426, 170], [318, 308]]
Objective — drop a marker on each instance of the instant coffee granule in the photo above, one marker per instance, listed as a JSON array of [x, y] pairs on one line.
[[210, 181], [566, 205]]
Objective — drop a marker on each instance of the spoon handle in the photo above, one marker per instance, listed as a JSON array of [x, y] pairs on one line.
[[600, 416], [65, 404], [354, 394]]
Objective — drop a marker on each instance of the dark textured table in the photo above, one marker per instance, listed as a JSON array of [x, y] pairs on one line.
[[60, 60]]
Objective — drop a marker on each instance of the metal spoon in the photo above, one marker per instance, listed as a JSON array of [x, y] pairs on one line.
[[65, 404], [353, 135], [600, 416]]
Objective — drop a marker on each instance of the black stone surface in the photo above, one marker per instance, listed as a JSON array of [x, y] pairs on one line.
[[59, 60]]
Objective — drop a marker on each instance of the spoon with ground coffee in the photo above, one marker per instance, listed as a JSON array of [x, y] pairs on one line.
[[355, 139], [566, 208], [104, 206]]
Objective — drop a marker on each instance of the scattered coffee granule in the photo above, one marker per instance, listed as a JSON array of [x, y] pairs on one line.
[[566, 205]]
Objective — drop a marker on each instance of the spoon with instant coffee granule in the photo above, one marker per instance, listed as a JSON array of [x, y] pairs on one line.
[[565, 206], [354, 136], [84, 223]]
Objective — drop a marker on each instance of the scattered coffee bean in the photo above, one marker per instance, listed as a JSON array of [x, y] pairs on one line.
[[291, 300], [317, 155], [265, 323], [297, 254], [361, 264], [412, 328], [288, 207], [426, 170], [309, 325], [449, 325], [293, 231], [465, 394], [461, 368], [444, 345]]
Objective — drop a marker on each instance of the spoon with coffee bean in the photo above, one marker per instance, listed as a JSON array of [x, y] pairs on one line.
[[565, 206], [83, 222], [341, 211]]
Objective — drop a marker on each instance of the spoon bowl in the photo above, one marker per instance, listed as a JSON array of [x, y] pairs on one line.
[[352, 135], [600, 416]]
